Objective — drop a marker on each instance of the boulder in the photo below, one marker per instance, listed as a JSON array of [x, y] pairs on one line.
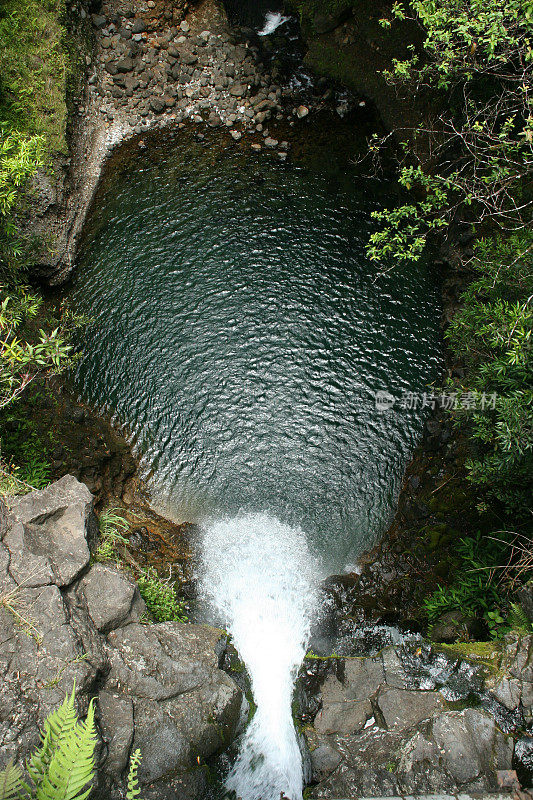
[[171, 672], [380, 731], [112, 599], [57, 526], [66, 623], [139, 26]]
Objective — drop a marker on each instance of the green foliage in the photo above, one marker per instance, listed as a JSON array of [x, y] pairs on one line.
[[24, 351], [25, 454], [474, 590], [20, 157], [493, 334], [478, 63], [34, 66], [10, 782], [462, 34], [62, 767], [161, 598], [112, 525], [133, 791], [518, 619]]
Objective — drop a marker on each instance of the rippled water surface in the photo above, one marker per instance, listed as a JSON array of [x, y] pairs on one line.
[[240, 333]]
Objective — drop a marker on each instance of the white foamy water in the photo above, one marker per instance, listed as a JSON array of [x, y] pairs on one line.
[[272, 21], [258, 573]]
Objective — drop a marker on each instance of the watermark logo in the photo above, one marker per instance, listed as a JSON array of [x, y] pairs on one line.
[[466, 401], [384, 401]]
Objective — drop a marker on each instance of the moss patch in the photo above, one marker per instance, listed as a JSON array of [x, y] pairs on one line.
[[487, 654], [34, 67]]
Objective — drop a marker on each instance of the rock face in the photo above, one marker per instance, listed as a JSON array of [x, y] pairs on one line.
[[382, 728], [158, 687]]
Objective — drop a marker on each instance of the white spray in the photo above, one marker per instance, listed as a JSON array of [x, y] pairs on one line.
[[260, 576], [272, 21]]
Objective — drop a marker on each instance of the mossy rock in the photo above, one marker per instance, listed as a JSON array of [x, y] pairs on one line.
[[488, 655], [439, 535]]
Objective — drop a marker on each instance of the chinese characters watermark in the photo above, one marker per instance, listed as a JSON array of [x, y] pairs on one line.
[[469, 401]]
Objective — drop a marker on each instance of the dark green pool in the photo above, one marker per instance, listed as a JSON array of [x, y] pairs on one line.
[[241, 334]]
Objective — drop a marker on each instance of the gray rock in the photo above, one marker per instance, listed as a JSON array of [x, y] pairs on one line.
[[99, 21], [171, 671], [159, 687], [125, 65], [112, 599], [116, 722], [139, 26], [469, 745], [58, 523], [157, 104], [401, 708], [302, 111], [237, 90]]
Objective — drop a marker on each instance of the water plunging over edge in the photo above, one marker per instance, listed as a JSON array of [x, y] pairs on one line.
[[259, 575]]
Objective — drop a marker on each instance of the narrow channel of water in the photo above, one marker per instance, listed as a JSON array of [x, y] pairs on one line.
[[241, 334]]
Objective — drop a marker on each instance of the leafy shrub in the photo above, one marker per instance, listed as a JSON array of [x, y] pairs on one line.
[[474, 589], [161, 599], [493, 334], [112, 525]]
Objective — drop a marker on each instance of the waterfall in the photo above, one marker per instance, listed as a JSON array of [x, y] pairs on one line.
[[272, 21], [258, 574]]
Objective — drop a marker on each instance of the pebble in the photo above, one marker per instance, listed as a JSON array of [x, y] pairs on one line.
[[184, 26], [256, 147], [302, 111], [269, 142], [236, 135]]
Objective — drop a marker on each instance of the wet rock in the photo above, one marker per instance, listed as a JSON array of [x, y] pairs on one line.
[[401, 708], [302, 111], [171, 671], [269, 142], [184, 26]]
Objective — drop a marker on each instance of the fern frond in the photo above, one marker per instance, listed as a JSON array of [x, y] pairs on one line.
[[71, 766], [133, 790], [57, 726], [518, 618], [11, 784]]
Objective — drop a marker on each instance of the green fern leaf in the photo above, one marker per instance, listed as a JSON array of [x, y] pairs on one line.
[[133, 790], [57, 726], [11, 784], [71, 766]]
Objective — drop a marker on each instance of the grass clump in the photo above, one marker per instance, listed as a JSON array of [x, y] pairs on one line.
[[161, 598], [112, 526], [34, 66]]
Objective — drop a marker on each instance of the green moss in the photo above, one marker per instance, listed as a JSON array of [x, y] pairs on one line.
[[487, 654], [34, 66]]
